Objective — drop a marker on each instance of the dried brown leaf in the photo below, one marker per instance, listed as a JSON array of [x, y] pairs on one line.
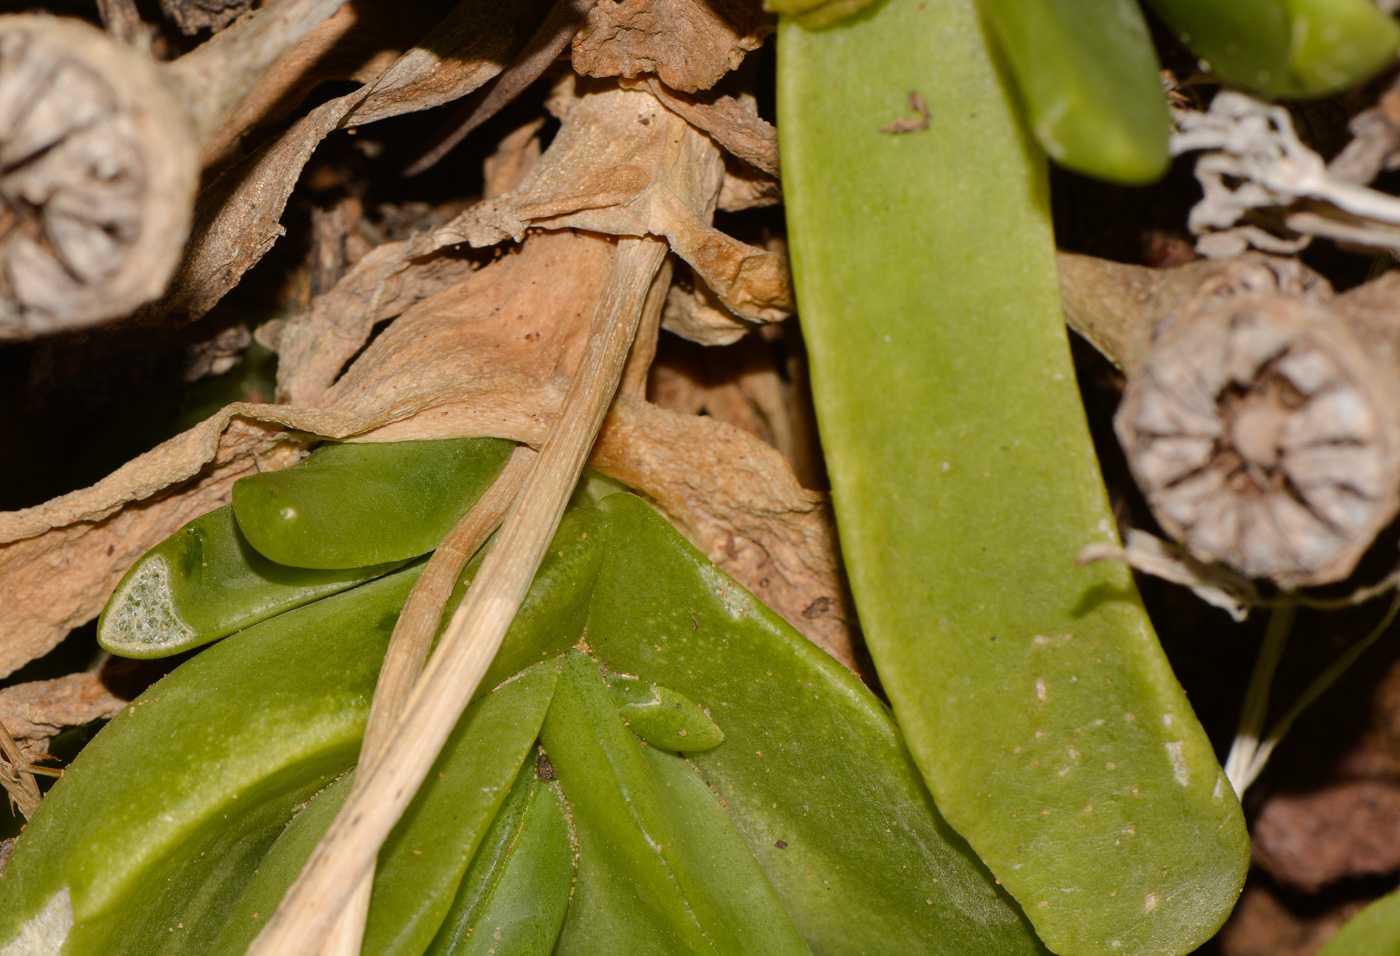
[[732, 123], [359, 42], [41, 709], [237, 219], [690, 44], [624, 166]]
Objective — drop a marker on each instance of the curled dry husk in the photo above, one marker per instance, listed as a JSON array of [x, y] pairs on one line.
[[484, 352]]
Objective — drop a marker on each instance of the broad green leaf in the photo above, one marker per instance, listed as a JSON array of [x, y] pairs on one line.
[[658, 870], [149, 837], [422, 863], [1032, 691], [354, 505], [1088, 76], [812, 769], [1290, 48], [513, 900], [204, 582]]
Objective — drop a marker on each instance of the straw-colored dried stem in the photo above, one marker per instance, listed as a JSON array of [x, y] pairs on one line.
[[447, 684], [408, 650]]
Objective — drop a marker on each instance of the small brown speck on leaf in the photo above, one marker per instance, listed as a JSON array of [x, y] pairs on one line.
[[908, 125]]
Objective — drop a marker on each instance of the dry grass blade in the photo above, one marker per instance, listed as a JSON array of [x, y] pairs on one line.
[[408, 650], [351, 844]]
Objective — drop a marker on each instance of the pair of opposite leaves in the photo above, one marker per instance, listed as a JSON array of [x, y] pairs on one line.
[[806, 828]]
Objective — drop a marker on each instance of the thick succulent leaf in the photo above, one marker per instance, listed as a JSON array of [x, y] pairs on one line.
[[1031, 690], [1089, 79], [513, 900], [1302, 48], [662, 717], [422, 863], [354, 505], [163, 817], [812, 768], [204, 582], [643, 888]]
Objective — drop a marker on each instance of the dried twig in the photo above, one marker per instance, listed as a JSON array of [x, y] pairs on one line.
[[408, 649], [447, 684]]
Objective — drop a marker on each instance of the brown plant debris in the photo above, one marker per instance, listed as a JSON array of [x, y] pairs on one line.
[[1265, 432], [42, 709], [732, 123], [689, 44], [540, 51], [624, 166], [488, 355], [238, 218], [192, 16]]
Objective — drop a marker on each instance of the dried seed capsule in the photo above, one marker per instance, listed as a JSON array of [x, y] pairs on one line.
[[354, 505], [1265, 433]]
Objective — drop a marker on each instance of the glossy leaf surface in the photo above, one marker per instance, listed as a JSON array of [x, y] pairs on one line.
[[643, 887], [354, 505], [204, 582], [1032, 691], [513, 900], [811, 760], [166, 813], [1088, 75], [662, 717], [1302, 48], [422, 863]]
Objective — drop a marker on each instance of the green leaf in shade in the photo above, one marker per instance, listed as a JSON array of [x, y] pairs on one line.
[[153, 831], [513, 900], [1032, 691], [812, 769], [1375, 931], [422, 862], [204, 582], [1287, 48], [643, 888], [662, 717], [354, 505], [1089, 79]]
